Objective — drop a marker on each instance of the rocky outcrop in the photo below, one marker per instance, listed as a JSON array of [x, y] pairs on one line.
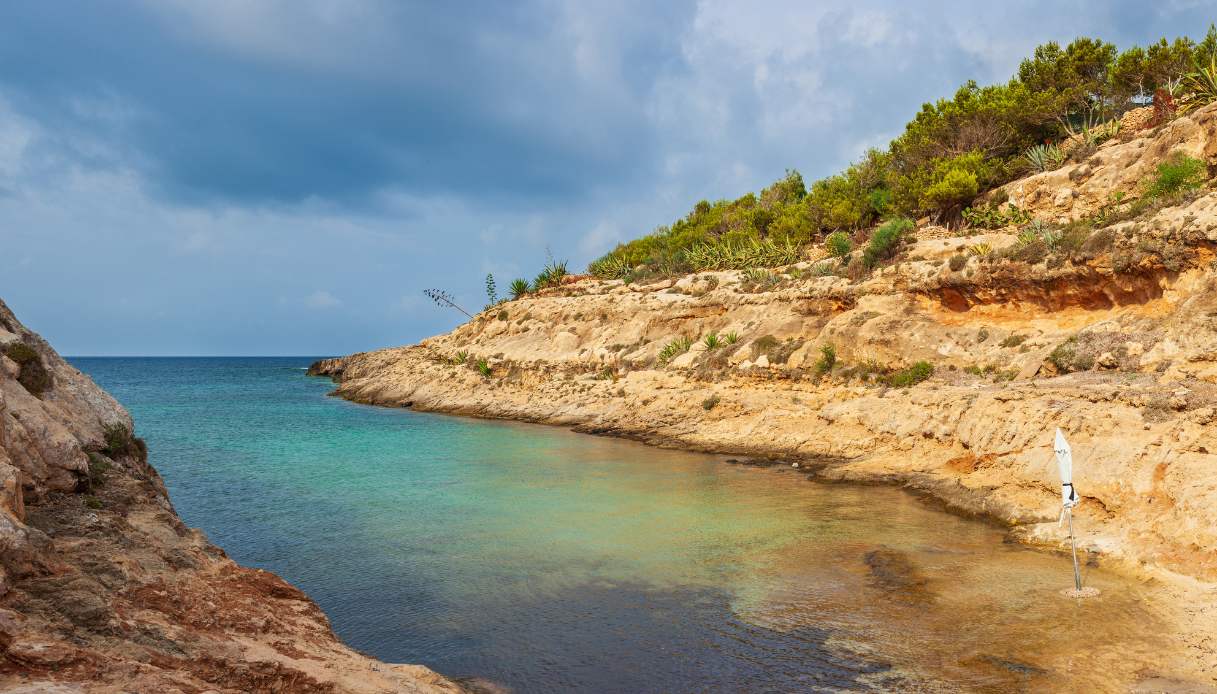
[[103, 589], [1111, 339], [331, 367], [1114, 174]]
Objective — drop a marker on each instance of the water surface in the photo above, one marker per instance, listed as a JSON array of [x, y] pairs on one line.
[[544, 560]]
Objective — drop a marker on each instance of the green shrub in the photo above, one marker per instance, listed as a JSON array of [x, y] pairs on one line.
[[119, 440], [1068, 358], [886, 241], [712, 341], [838, 244], [1013, 341], [674, 349], [731, 338], [1177, 174], [461, 357], [484, 368], [519, 287], [955, 188], [957, 262], [32, 374], [828, 359], [92, 502], [911, 376], [98, 467], [709, 403], [20, 353]]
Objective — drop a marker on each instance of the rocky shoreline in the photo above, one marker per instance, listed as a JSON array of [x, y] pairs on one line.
[[104, 589]]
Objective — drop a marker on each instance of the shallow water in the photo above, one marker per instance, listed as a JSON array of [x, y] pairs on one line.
[[545, 560]]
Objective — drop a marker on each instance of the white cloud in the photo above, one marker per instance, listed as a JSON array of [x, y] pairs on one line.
[[322, 299]]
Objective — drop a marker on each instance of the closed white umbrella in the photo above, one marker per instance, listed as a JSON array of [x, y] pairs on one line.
[[1069, 498]]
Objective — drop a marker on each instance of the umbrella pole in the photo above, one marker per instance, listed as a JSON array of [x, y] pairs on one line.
[[1077, 575]]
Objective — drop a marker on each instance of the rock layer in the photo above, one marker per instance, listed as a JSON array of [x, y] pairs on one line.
[[103, 589]]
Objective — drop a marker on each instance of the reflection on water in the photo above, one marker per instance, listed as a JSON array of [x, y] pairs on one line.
[[542, 559]]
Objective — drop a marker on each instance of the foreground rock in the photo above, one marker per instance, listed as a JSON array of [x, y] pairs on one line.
[[103, 589], [1114, 341]]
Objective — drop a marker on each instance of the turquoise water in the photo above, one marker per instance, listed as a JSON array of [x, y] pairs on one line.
[[544, 560]]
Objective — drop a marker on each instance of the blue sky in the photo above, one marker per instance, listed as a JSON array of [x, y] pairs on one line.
[[287, 176]]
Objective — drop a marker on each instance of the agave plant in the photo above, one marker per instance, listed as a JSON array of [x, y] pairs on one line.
[[712, 341], [518, 288], [980, 249], [1045, 157], [674, 349], [731, 338], [551, 275], [1201, 86], [610, 267]]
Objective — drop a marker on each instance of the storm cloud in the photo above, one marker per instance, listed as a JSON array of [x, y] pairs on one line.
[[285, 177]]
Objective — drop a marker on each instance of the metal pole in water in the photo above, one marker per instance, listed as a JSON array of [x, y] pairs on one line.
[[1077, 575]]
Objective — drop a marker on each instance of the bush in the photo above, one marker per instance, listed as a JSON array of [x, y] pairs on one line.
[[1177, 174], [1067, 357], [1013, 341], [838, 244], [828, 359], [885, 241], [911, 376], [709, 403], [32, 374], [957, 262], [119, 441], [955, 188], [98, 467]]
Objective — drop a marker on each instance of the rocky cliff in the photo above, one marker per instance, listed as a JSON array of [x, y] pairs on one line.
[[103, 589], [1106, 328]]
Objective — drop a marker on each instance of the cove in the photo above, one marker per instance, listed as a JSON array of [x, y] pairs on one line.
[[539, 560]]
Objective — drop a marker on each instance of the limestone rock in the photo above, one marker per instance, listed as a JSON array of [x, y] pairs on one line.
[[142, 594]]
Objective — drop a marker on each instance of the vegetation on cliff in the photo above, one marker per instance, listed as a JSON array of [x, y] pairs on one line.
[[951, 152]]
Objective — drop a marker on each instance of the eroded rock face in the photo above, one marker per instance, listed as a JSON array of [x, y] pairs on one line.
[[103, 589]]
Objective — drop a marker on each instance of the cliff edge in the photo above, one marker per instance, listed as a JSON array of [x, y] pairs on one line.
[[104, 589]]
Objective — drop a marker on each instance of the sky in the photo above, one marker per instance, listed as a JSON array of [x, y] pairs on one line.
[[286, 177]]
